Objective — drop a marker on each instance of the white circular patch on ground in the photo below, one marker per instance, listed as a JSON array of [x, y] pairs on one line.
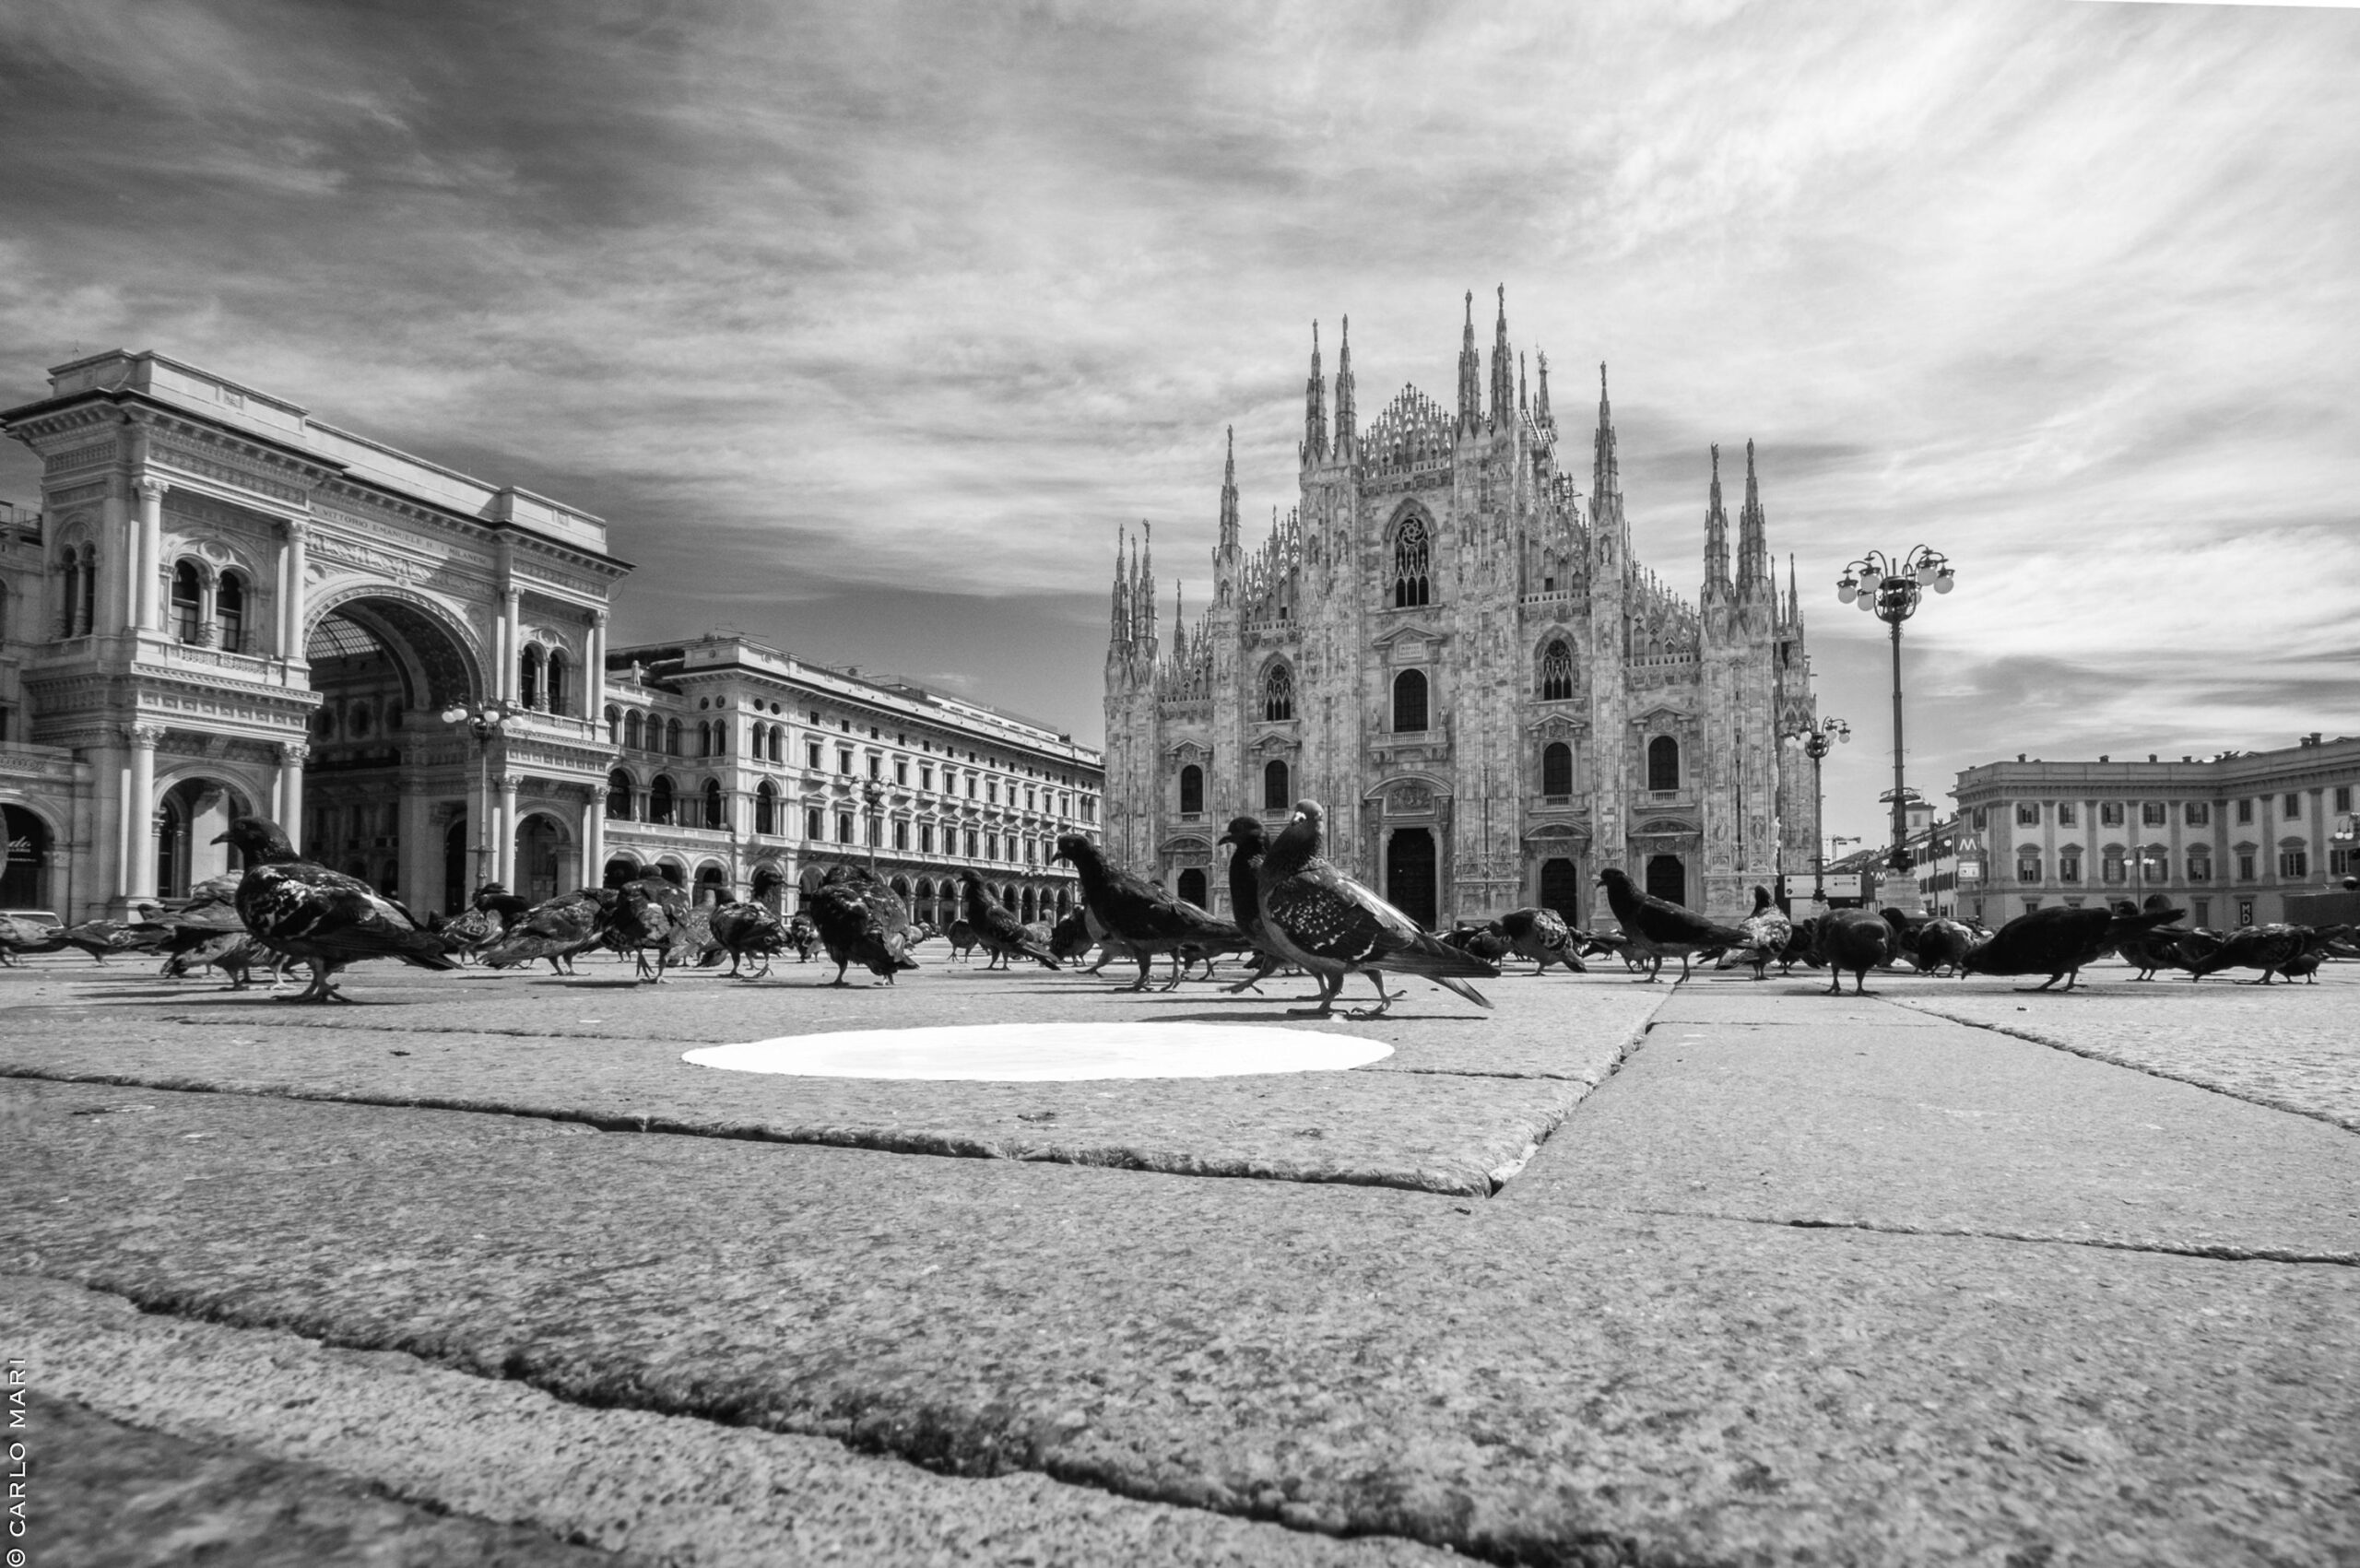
[[1044, 1053]]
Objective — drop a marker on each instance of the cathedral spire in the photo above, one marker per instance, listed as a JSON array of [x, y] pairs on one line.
[[1229, 542], [1470, 375], [1347, 432], [1606, 475], [1794, 599], [1541, 415], [1717, 539], [1753, 537], [1502, 370], [1315, 407], [1118, 631]]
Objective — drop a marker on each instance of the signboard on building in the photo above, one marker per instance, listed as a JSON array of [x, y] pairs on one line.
[[1843, 885]]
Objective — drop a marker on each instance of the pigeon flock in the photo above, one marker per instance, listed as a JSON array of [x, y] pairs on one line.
[[1292, 909]]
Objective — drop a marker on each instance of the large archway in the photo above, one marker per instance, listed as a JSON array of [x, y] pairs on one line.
[[26, 881], [543, 854], [1561, 889], [189, 815]]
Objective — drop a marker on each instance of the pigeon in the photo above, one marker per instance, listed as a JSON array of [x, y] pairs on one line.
[[99, 937], [208, 933], [961, 936], [1768, 930], [1486, 942], [493, 910], [997, 932], [1069, 938], [320, 917], [1802, 945], [802, 935], [692, 945], [19, 934], [2327, 941], [751, 929], [647, 915], [236, 955], [1541, 934], [861, 919], [555, 929], [1145, 918], [1328, 923], [2269, 948], [1941, 944], [1660, 929], [2059, 941], [1248, 841], [2151, 952], [1853, 940]]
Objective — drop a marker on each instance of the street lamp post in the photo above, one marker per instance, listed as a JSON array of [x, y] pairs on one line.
[[1890, 589], [874, 793], [1816, 739], [482, 720]]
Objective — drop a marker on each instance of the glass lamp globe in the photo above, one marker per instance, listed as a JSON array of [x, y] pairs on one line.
[[1946, 581], [453, 715], [1845, 591], [1866, 601]]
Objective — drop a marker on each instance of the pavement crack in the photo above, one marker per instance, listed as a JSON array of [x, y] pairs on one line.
[[2213, 1251]]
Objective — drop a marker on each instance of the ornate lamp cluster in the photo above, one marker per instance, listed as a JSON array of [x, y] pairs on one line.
[[1890, 587], [484, 721]]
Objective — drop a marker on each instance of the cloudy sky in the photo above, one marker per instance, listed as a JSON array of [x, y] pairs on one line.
[[868, 325]]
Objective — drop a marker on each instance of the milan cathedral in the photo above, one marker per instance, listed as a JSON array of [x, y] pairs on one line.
[[1451, 647]]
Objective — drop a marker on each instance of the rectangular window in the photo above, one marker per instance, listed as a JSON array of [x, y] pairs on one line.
[[1090, 808], [2245, 867], [812, 754], [2294, 863], [844, 761], [2344, 798], [2110, 814], [2293, 806], [2339, 862], [877, 767], [2028, 813], [2200, 869], [812, 826], [1978, 818], [2114, 870], [2244, 812], [2197, 813], [2152, 813], [991, 791], [901, 771], [971, 786], [2067, 815], [2027, 869], [926, 778], [2069, 869], [2200, 911]]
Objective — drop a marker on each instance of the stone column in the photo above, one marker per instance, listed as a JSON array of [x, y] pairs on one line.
[[594, 839], [139, 811], [291, 754], [593, 675], [290, 615], [512, 643], [150, 555], [503, 823]]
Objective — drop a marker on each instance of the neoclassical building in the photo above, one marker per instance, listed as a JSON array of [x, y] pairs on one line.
[[1450, 646], [224, 606]]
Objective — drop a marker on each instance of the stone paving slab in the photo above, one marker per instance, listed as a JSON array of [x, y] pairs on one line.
[[2296, 1048], [1438, 1120], [247, 1442], [108, 1494], [1948, 1129], [1516, 1380]]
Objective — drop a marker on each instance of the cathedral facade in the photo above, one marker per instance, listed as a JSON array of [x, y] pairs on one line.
[[1452, 648]]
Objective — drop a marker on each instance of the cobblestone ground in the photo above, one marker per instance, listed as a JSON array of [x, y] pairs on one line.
[[478, 1269]]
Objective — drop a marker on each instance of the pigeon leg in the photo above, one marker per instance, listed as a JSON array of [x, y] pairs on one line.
[[840, 972], [1859, 983], [1146, 960], [1328, 987], [1384, 997]]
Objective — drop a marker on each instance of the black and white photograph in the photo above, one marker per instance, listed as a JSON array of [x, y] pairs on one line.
[[1029, 785]]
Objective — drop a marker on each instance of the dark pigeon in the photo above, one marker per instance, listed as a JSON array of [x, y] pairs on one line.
[[999, 933], [320, 917], [1853, 940], [1659, 929], [555, 929], [749, 929], [862, 921], [2269, 948], [2059, 941], [1333, 927], [1069, 938], [1941, 944], [1541, 934], [2151, 952], [645, 917], [1145, 918], [1248, 841]]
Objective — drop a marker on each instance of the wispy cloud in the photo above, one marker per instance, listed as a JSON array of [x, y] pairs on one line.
[[867, 324]]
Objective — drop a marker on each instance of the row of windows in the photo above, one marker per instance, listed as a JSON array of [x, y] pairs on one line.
[[1556, 778], [229, 617], [2117, 871], [2157, 813], [1409, 692], [667, 806]]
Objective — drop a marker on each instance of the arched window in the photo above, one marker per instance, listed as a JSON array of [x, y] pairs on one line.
[[672, 737], [1192, 886], [631, 729], [1556, 672], [1274, 785], [188, 601], [530, 689], [766, 807], [230, 612], [1663, 763], [69, 591], [1409, 701], [712, 813], [618, 793], [756, 743], [1411, 554], [86, 617], [1278, 694], [721, 737], [614, 725], [559, 697], [778, 743], [1557, 769], [659, 800], [1192, 789]]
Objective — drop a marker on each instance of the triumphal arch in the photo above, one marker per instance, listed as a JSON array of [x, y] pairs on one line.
[[237, 608]]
